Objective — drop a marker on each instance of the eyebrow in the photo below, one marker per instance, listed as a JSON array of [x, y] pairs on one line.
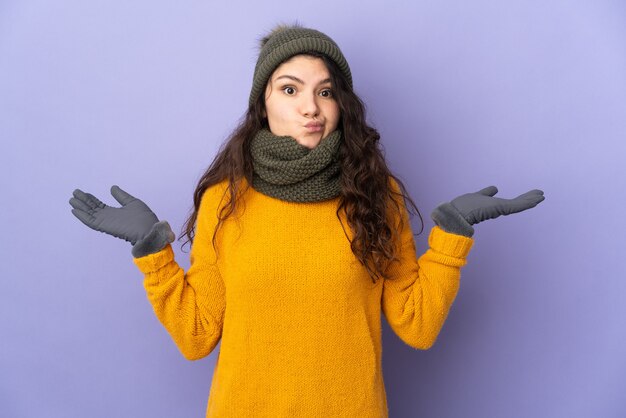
[[294, 78]]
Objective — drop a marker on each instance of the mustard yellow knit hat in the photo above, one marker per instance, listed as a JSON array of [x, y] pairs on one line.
[[285, 41]]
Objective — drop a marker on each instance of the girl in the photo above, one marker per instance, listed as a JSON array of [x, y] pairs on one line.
[[300, 237]]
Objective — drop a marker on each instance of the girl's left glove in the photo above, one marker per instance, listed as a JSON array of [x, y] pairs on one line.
[[461, 213]]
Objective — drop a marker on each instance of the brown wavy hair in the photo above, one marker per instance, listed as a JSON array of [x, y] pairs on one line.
[[366, 193]]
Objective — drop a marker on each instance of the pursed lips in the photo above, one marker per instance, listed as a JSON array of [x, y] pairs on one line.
[[314, 126]]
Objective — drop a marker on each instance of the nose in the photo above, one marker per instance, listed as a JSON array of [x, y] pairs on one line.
[[308, 105]]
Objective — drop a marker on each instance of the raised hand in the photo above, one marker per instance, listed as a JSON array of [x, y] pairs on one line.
[[131, 222], [466, 210], [480, 206]]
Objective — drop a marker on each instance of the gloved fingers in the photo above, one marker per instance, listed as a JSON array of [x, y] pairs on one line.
[[95, 201], [525, 201], [488, 191], [533, 194], [84, 217], [531, 198], [80, 205], [121, 196], [88, 199]]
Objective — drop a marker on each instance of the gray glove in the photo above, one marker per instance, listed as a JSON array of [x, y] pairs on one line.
[[461, 213], [133, 222]]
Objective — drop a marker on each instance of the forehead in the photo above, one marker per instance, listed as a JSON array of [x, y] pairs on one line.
[[302, 65]]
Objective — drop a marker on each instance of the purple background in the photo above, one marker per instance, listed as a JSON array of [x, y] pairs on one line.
[[518, 94]]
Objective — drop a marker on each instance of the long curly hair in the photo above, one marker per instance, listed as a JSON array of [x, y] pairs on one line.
[[366, 194]]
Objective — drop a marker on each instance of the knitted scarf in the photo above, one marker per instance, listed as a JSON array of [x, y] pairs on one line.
[[289, 171]]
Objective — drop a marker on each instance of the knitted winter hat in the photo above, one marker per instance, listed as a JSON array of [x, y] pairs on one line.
[[285, 41]]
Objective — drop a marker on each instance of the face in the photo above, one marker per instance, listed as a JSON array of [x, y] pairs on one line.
[[299, 101]]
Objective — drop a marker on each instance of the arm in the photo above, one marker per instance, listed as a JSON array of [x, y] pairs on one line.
[[419, 293], [189, 305]]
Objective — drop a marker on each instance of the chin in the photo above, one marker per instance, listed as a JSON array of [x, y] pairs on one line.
[[308, 143], [312, 145]]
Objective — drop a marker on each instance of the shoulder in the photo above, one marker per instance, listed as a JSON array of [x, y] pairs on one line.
[[393, 184], [212, 201], [218, 195], [215, 190], [211, 192]]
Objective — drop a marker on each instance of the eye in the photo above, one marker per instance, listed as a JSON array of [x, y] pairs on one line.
[[289, 90], [327, 93]]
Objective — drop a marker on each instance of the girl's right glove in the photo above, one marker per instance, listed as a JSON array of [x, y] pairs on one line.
[[461, 213], [133, 222]]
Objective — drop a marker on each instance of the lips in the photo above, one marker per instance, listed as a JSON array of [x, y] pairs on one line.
[[314, 127]]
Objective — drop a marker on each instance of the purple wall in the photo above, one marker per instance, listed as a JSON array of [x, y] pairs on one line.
[[518, 94]]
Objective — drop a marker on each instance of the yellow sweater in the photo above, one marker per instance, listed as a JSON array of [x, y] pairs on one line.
[[298, 316]]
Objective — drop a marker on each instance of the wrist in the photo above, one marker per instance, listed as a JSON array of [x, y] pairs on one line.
[[157, 238], [448, 218]]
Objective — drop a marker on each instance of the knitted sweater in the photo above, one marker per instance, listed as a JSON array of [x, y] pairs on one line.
[[298, 316]]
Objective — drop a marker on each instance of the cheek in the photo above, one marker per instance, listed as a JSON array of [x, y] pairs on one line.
[[334, 111], [278, 109], [274, 112]]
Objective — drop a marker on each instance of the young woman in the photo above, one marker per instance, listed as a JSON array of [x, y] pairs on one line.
[[300, 237]]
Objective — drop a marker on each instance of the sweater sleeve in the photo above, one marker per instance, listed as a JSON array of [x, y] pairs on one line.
[[189, 305], [419, 292]]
